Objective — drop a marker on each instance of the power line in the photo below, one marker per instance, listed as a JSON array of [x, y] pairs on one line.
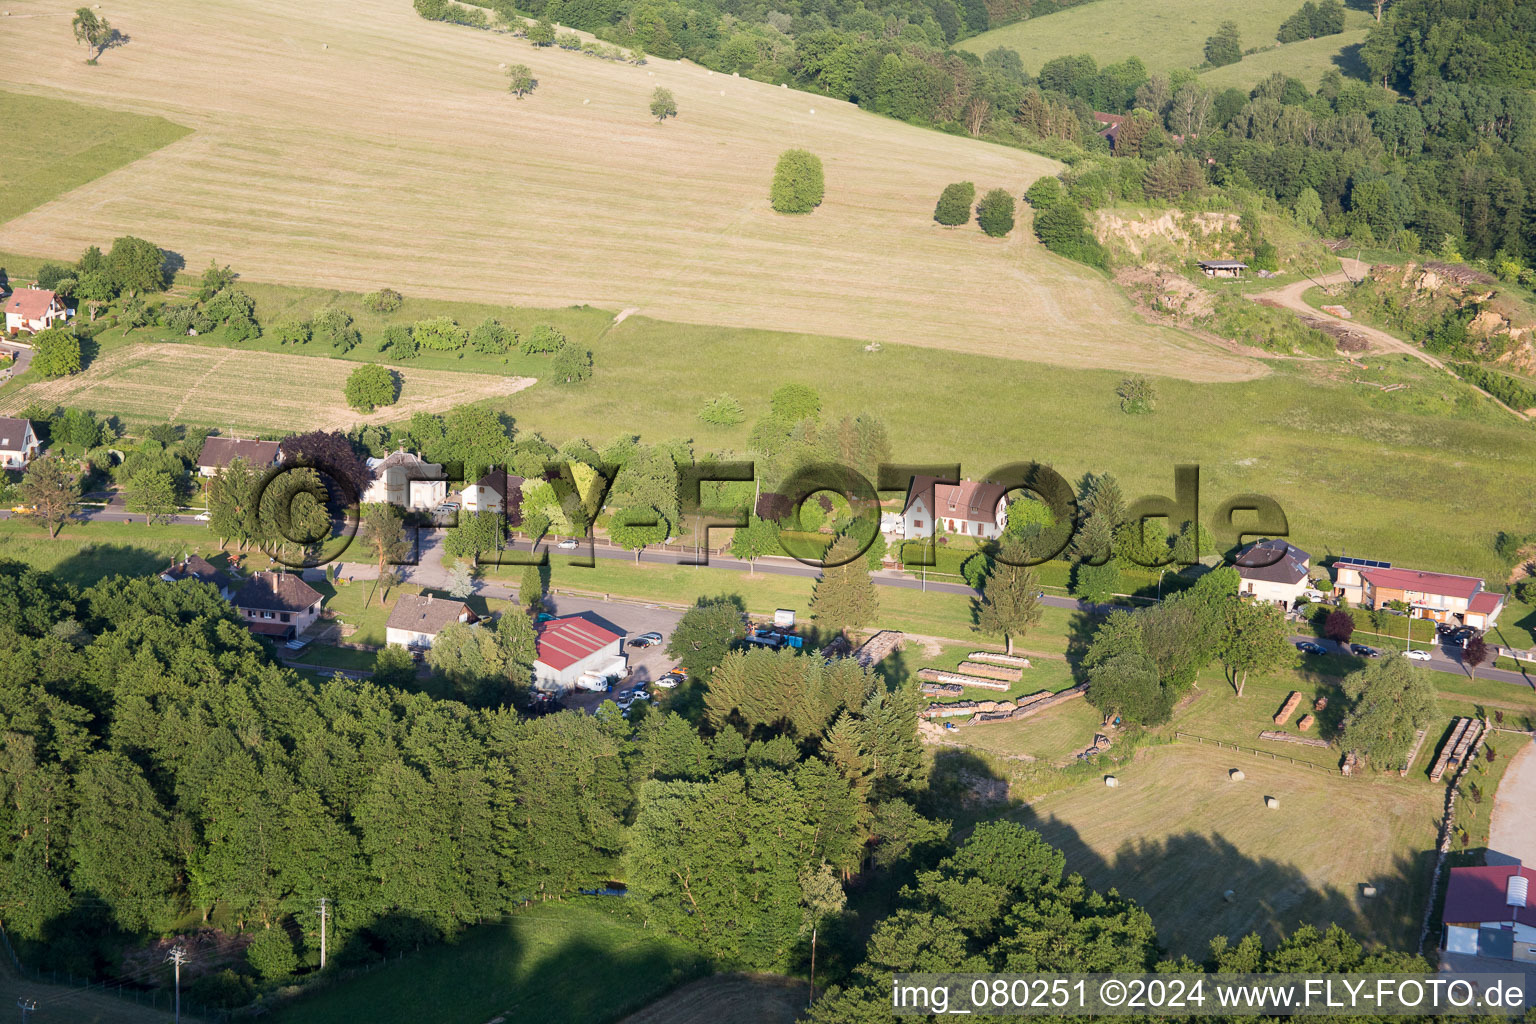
[[178, 956]]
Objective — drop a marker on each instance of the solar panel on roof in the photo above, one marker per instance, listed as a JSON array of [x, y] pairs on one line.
[[1364, 563]]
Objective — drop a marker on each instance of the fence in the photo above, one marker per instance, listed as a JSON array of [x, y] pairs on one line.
[[1224, 745], [152, 998]]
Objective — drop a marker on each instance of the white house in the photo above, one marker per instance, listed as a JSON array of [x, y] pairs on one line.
[[971, 508], [1273, 570], [277, 604], [33, 309], [219, 452], [18, 443], [1488, 912], [416, 620], [407, 480], [489, 493], [574, 651]]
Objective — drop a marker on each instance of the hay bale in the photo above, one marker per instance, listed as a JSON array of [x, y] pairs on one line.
[[1272, 803], [585, 102], [1229, 895], [1236, 775], [1369, 892], [813, 110], [1111, 781], [735, 74], [502, 65], [1305, 723]]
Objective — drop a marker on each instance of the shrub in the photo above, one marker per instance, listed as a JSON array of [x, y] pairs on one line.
[[492, 337], [1506, 389], [178, 319], [954, 206], [240, 328], [722, 411], [995, 213], [440, 334], [1137, 395], [573, 365], [798, 185], [568, 41], [385, 300], [230, 303], [1062, 229], [1265, 257], [292, 332], [271, 953], [1225, 47], [1525, 591], [543, 340], [399, 342], [541, 33], [1044, 192], [56, 352], [370, 386]]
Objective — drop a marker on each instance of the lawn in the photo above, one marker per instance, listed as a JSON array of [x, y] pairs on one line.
[[1177, 835], [81, 143], [729, 999], [1054, 735], [243, 391], [558, 963], [420, 171], [1165, 36], [1307, 60], [84, 553]]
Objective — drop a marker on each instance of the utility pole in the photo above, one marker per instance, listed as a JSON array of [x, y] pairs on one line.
[[178, 956], [322, 933], [27, 1006]]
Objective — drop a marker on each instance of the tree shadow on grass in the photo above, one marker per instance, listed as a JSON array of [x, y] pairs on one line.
[[1350, 63], [1183, 881], [96, 562]]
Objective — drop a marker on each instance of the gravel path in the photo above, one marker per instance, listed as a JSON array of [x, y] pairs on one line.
[[1513, 833]]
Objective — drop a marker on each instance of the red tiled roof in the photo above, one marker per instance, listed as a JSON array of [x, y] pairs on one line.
[[1438, 583], [1485, 602], [1478, 894], [971, 500], [31, 303], [1110, 119], [565, 641]]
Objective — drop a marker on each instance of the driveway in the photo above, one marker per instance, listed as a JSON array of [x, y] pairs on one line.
[[1512, 836]]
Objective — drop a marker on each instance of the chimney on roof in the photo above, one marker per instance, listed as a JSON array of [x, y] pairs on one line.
[[1515, 894]]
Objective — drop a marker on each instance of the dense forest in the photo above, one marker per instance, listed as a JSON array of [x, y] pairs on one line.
[[1434, 153], [160, 771]]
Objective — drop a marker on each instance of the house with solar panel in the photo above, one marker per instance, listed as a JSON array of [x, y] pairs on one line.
[[576, 652], [1441, 596]]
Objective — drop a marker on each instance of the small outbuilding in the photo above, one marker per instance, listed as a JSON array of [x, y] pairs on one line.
[[1223, 268], [1488, 912]]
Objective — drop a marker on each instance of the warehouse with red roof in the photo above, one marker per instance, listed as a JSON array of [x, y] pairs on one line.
[[575, 651]]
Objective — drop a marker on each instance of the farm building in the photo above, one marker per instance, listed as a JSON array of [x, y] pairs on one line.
[[405, 479], [1273, 570], [575, 651], [1223, 268], [971, 508], [1428, 595], [416, 620], [1109, 129], [489, 493], [277, 604], [219, 452], [18, 443], [198, 570], [1488, 912], [33, 310]]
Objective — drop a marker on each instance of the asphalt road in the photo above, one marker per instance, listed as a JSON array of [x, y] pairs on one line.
[[430, 572]]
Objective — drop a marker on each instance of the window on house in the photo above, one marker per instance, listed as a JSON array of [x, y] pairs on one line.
[[917, 524], [266, 615], [285, 616]]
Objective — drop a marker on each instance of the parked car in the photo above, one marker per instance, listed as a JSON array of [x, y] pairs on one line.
[[569, 544], [645, 640], [24, 510], [202, 517], [1308, 647], [1444, 627], [672, 679], [640, 695], [1417, 655], [1364, 651]]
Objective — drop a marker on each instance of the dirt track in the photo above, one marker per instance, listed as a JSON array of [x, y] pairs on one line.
[[1291, 297]]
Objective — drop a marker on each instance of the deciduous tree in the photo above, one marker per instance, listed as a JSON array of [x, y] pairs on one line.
[[51, 489]]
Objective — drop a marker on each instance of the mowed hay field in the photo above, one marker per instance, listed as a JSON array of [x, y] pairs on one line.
[[729, 999], [356, 145], [1195, 835], [80, 143], [1166, 34], [251, 391]]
